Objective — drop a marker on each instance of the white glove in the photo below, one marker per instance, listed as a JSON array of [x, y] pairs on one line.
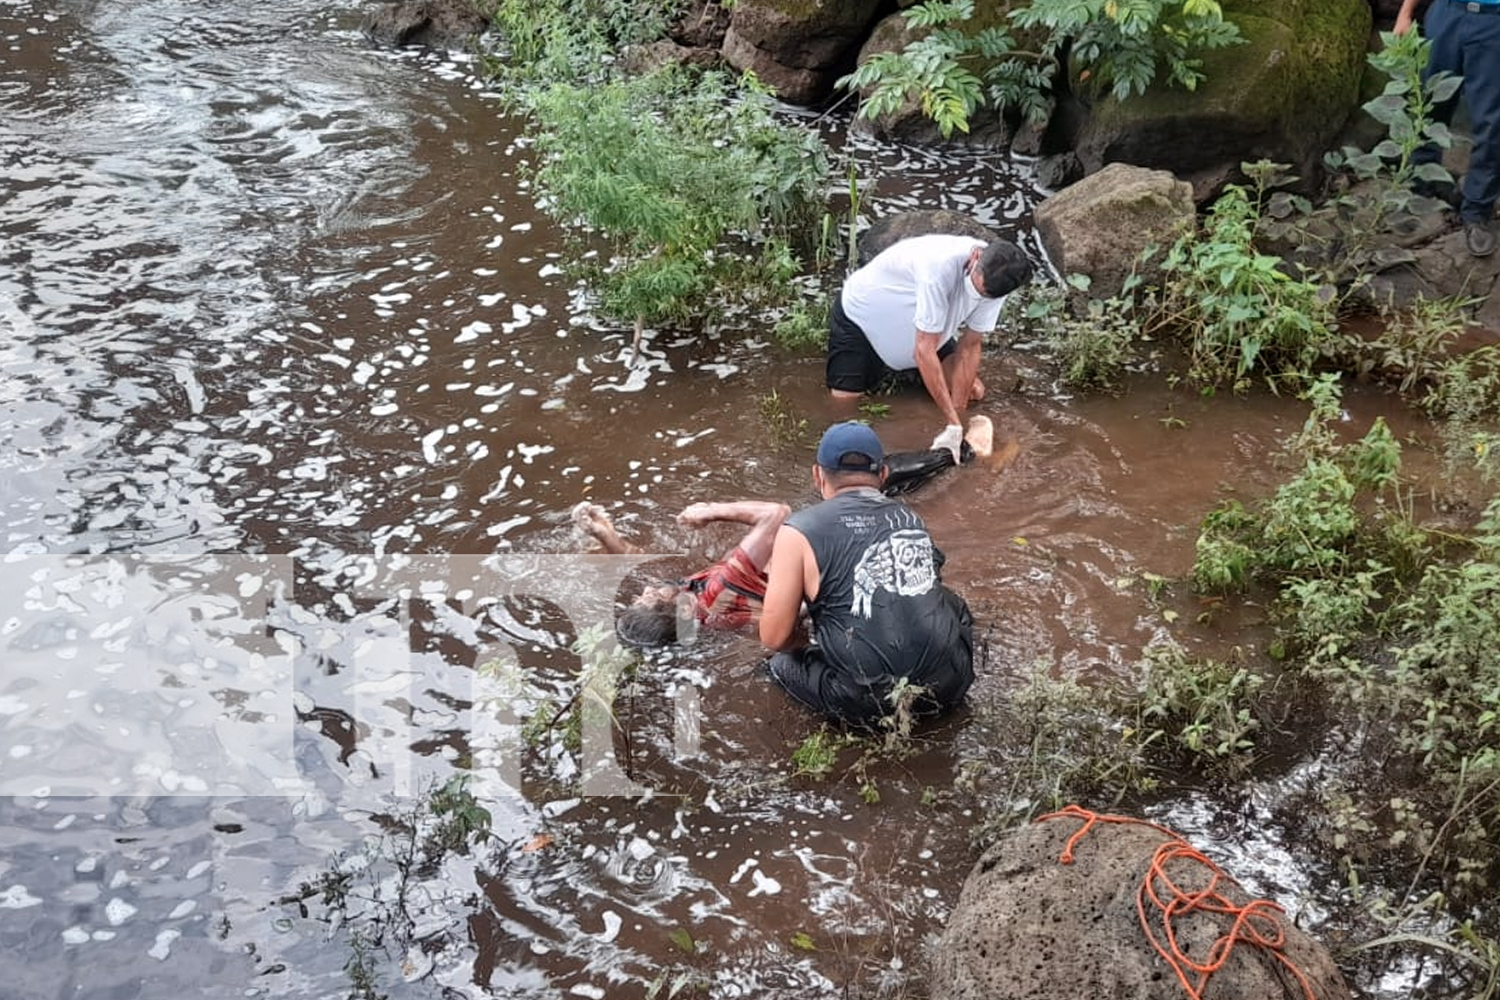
[[952, 438]]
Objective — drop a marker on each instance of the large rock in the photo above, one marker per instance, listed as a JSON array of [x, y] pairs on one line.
[[433, 24], [798, 47], [1099, 225], [701, 25], [1441, 269], [894, 228], [1029, 926], [1283, 95]]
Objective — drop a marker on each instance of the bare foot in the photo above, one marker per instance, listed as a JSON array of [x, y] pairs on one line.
[[981, 435], [591, 519], [594, 522], [976, 391]]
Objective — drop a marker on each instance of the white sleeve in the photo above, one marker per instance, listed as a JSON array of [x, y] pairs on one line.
[[932, 295], [983, 317]]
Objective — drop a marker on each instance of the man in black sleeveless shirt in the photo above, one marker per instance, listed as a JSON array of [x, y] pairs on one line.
[[869, 573]]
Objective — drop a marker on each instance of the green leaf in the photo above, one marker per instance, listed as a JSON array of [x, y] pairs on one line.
[[1386, 108], [1443, 86], [683, 940]]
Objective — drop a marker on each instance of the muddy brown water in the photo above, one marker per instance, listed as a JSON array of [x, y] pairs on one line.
[[280, 317]]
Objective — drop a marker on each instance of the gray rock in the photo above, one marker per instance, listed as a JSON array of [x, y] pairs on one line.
[[702, 25], [1099, 225], [798, 50], [1056, 172], [1028, 926], [433, 24], [894, 228]]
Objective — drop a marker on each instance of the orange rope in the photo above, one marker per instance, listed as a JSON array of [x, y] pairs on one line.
[[1161, 904]]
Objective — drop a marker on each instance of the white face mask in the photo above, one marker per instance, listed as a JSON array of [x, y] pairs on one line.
[[970, 292]]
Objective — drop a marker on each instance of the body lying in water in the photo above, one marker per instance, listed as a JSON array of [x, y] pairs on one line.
[[730, 593]]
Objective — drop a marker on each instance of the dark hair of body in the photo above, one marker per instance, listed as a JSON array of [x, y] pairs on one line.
[[1003, 268], [648, 622]]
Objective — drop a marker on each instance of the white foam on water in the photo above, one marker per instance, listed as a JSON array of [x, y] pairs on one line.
[[117, 911], [17, 898], [163, 946]]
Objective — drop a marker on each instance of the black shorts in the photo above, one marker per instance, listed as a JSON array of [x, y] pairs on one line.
[[853, 365]]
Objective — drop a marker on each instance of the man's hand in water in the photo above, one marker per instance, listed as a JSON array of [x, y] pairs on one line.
[[952, 438]]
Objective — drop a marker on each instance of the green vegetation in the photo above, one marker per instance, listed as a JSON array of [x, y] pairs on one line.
[[1381, 621], [1377, 194], [1238, 309], [787, 428], [679, 188], [1395, 624], [804, 327], [818, 754], [390, 899], [1119, 46], [666, 169], [1094, 343], [1056, 740], [571, 41]]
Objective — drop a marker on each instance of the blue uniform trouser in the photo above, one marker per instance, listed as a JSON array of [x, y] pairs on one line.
[[1466, 42]]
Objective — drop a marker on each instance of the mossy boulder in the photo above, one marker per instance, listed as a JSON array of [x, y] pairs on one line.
[[1283, 95]]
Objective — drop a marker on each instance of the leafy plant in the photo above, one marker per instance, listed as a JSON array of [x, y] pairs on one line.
[[1093, 347], [818, 753], [459, 817], [1120, 46], [788, 430], [1412, 347], [1380, 198], [1238, 309], [551, 41], [390, 895], [1205, 708], [1051, 741], [903, 698], [1465, 397], [803, 327], [666, 168]]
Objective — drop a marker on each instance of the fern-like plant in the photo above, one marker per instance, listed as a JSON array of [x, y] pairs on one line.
[[1119, 46]]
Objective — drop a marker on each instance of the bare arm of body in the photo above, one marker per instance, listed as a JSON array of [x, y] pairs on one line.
[[763, 516], [935, 377], [962, 368], [592, 520]]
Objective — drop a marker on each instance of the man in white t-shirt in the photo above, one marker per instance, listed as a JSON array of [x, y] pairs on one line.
[[923, 305]]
